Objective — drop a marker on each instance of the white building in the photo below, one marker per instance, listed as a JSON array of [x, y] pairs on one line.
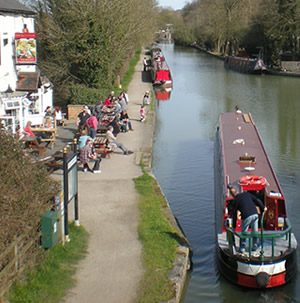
[[24, 91]]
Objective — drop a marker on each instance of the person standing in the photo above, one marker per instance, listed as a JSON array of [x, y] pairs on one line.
[[146, 98], [92, 123], [82, 117], [246, 203], [145, 64], [87, 155], [122, 102], [142, 113]]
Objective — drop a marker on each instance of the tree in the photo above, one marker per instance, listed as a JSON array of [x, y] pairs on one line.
[[89, 42]]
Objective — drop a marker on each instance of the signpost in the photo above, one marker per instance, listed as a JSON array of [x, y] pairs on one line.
[[70, 185]]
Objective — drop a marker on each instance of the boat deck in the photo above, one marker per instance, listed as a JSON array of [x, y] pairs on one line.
[[281, 246], [240, 137]]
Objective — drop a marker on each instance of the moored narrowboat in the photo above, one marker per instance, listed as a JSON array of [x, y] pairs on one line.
[[245, 65], [241, 161], [160, 72]]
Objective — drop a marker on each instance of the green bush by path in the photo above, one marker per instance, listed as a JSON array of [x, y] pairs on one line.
[[50, 281], [159, 241]]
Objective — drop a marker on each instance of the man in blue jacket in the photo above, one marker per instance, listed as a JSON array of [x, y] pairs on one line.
[[246, 203]]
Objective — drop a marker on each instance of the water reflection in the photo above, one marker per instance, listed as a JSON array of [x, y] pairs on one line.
[[183, 158], [162, 93]]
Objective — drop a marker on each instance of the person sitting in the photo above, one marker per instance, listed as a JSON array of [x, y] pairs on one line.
[[114, 122], [48, 122], [113, 140], [117, 109], [107, 101], [87, 155], [48, 111], [82, 139], [125, 122], [30, 135], [237, 109]]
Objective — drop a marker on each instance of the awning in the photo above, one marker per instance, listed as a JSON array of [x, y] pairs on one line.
[[28, 81]]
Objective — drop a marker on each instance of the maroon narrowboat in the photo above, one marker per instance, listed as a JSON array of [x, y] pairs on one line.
[[241, 160]]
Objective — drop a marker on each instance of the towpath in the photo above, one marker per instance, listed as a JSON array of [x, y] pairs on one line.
[[108, 202]]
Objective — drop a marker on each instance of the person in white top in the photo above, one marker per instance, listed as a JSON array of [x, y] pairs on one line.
[[59, 116]]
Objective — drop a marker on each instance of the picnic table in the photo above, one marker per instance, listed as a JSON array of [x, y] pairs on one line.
[[50, 131], [101, 145], [32, 144]]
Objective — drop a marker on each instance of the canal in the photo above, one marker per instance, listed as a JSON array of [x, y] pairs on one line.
[[183, 158]]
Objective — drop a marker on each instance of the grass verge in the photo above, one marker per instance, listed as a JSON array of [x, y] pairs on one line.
[[51, 279], [159, 241], [131, 68]]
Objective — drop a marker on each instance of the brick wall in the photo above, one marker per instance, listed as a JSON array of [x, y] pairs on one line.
[[293, 66], [73, 111]]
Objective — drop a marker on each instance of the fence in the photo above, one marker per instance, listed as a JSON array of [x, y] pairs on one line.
[[19, 255]]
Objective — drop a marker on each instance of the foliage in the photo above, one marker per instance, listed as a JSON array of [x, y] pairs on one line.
[[88, 43], [159, 242], [25, 190], [81, 94], [227, 26], [53, 277]]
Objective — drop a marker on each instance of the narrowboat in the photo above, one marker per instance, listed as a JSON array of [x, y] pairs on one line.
[[245, 65], [160, 72], [241, 161]]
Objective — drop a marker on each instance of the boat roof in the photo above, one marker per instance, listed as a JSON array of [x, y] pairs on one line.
[[240, 138]]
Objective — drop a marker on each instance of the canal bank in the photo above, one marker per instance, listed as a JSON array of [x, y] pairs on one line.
[[109, 210]]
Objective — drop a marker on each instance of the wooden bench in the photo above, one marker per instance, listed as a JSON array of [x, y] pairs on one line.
[[31, 145], [101, 146]]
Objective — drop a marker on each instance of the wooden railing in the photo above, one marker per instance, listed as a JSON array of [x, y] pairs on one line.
[[19, 255]]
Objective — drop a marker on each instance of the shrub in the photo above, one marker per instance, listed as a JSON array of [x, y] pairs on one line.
[[25, 190], [81, 94]]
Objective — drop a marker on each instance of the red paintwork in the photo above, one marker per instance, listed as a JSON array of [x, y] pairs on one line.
[[249, 281], [162, 75]]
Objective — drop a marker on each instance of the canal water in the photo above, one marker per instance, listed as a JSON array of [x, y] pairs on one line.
[[183, 158]]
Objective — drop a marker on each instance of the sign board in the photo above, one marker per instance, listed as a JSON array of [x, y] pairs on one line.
[[25, 48]]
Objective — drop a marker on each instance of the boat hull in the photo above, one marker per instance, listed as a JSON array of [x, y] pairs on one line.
[[160, 72], [244, 65], [257, 274], [276, 263]]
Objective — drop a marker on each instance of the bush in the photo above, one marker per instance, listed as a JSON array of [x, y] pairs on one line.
[[25, 190], [81, 94]]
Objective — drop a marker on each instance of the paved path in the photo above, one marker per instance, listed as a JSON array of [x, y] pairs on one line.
[[109, 211]]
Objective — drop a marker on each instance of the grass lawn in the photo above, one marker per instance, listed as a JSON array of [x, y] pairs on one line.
[[50, 281]]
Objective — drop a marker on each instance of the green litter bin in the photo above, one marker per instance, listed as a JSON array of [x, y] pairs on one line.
[[49, 229]]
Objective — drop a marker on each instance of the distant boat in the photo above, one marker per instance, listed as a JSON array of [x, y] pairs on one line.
[[245, 65], [160, 72], [241, 161]]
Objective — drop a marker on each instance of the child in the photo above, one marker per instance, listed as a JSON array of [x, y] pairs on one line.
[[143, 114]]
